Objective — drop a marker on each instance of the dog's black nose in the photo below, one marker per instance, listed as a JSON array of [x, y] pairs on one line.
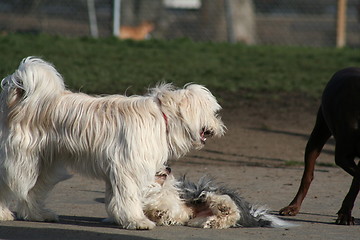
[[168, 169]]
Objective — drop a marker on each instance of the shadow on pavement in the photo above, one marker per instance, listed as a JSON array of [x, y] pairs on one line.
[[21, 233], [297, 218]]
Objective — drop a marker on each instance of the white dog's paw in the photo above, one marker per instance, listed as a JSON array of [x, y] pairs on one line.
[[44, 216], [142, 224], [50, 216], [211, 222], [6, 215]]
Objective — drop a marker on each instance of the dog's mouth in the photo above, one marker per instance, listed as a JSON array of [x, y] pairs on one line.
[[205, 133]]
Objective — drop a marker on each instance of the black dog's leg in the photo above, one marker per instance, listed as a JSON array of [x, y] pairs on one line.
[[316, 142], [345, 160], [344, 214]]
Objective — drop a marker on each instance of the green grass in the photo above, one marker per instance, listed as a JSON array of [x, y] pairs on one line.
[[113, 66]]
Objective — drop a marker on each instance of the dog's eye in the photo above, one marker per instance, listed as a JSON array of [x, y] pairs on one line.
[[207, 132]]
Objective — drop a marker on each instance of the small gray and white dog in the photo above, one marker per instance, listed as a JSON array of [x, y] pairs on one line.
[[204, 204]]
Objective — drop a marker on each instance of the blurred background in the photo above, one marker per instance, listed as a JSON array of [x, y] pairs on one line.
[[261, 22]]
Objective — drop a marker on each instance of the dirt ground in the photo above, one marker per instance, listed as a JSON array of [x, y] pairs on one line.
[[261, 156]]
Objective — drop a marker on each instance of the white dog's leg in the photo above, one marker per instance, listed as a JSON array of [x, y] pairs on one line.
[[5, 193], [20, 177], [30, 210], [32, 206], [123, 204]]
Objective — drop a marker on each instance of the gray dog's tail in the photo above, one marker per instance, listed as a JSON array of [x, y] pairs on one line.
[[250, 216]]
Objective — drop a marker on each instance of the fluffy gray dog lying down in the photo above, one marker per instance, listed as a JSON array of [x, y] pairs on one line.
[[204, 204]]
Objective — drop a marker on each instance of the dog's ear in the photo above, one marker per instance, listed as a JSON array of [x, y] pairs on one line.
[[163, 98], [203, 95], [167, 95], [184, 102]]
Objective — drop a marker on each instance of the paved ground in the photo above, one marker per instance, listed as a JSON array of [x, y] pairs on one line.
[[261, 156]]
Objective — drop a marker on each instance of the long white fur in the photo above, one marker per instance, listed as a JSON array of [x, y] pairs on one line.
[[123, 140]]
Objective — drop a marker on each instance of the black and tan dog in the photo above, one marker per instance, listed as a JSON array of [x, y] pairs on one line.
[[338, 115]]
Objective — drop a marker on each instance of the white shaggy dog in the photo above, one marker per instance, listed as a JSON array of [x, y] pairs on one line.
[[204, 204], [45, 128]]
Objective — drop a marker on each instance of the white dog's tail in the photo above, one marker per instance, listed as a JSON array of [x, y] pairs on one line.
[[35, 77]]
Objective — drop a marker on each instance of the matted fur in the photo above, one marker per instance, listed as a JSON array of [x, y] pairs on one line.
[[45, 128]]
